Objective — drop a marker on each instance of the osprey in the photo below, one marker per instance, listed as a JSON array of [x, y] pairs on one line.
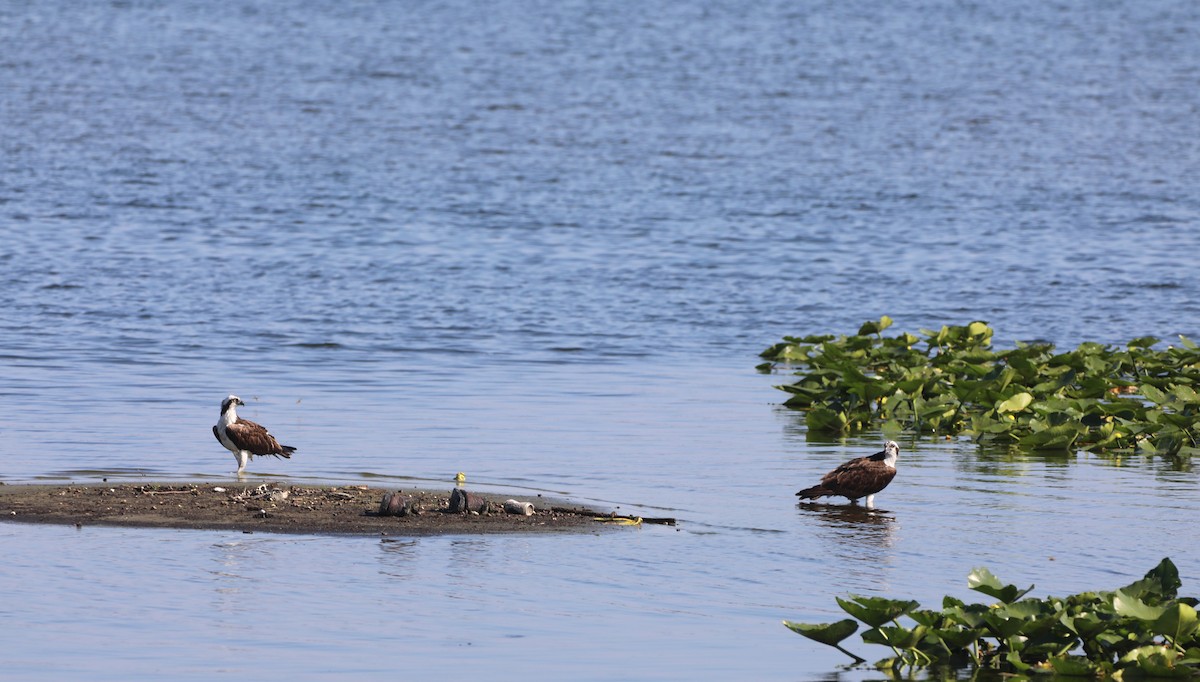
[[243, 437], [860, 477]]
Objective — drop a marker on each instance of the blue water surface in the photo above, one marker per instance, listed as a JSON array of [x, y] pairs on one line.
[[542, 243]]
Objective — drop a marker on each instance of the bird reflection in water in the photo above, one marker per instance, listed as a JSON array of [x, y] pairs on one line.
[[860, 538]]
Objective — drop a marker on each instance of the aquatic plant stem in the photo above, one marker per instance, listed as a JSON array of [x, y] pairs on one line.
[[857, 659]]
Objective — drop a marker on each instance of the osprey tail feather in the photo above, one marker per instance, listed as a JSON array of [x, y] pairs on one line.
[[814, 492], [284, 451]]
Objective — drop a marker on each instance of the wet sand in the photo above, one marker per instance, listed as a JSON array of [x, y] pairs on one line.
[[284, 509]]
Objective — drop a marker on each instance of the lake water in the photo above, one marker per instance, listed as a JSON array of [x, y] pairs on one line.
[[542, 243]]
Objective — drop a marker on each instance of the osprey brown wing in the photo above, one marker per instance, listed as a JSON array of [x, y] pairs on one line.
[[859, 477], [255, 439]]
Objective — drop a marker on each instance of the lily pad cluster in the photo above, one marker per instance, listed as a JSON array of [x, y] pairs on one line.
[[1141, 630], [952, 381]]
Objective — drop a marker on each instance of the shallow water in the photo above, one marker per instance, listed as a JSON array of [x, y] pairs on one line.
[[704, 599], [542, 245]]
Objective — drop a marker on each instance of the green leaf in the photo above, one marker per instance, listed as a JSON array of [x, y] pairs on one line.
[[875, 327], [1143, 342], [1073, 666], [957, 639], [1014, 659], [1167, 578], [1026, 608], [1185, 394], [1159, 583], [1154, 395], [1132, 607], [1015, 403], [896, 636], [823, 419], [1143, 652], [978, 328], [968, 615], [1177, 622], [876, 611], [982, 580], [1001, 626], [1087, 626], [927, 617], [825, 633], [1059, 437], [1158, 662]]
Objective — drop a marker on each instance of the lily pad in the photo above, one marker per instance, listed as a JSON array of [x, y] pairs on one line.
[[1132, 607], [1161, 581], [896, 636], [825, 633], [876, 611], [1016, 403], [956, 639], [875, 327], [1096, 396], [1177, 622], [1073, 666], [982, 580], [1140, 631]]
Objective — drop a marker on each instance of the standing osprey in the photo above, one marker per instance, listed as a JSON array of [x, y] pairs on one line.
[[243, 437], [860, 477]]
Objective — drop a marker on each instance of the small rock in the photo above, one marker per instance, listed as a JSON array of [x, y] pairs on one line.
[[463, 501], [395, 504]]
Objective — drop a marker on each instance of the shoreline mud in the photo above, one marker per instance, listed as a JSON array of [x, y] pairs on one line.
[[305, 509]]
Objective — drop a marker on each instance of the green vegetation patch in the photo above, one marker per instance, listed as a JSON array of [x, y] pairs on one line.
[[1143, 630], [952, 381]]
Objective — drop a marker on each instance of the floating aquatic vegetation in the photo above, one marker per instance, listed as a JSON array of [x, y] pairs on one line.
[[1141, 630], [952, 381]]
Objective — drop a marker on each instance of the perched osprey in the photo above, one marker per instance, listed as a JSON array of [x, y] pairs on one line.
[[243, 437], [860, 477]]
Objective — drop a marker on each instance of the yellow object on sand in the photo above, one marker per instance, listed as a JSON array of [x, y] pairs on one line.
[[620, 520]]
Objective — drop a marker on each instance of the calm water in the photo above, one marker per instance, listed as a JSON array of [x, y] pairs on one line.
[[542, 243]]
